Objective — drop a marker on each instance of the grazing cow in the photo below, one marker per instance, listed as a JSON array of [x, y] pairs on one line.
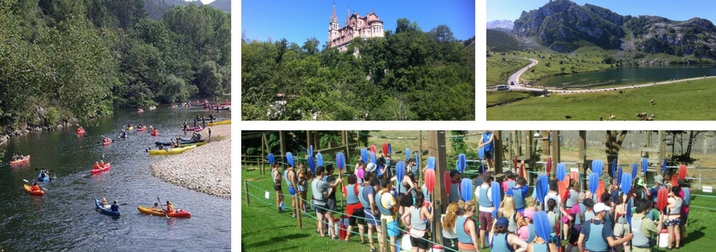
[[652, 101], [649, 119], [601, 118], [611, 116], [567, 117]]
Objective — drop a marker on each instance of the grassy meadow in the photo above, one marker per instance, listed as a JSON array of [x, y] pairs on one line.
[[678, 101], [499, 68]]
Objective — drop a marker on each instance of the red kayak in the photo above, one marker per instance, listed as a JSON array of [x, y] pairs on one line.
[[195, 129], [21, 161], [155, 133], [80, 131], [107, 166], [105, 143], [141, 129]]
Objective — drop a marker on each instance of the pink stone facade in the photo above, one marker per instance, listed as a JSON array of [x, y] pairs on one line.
[[356, 26]]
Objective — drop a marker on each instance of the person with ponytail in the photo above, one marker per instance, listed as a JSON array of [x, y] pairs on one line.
[[388, 210], [354, 208], [540, 242], [416, 217], [448, 220], [507, 210], [466, 229], [504, 240], [569, 200]]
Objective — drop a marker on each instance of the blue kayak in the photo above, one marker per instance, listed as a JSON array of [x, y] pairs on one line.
[[44, 180], [104, 210]]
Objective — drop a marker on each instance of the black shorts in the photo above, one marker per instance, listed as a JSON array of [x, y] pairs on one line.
[[358, 216], [331, 204], [421, 243], [277, 188], [573, 235], [321, 207], [450, 243], [406, 200]]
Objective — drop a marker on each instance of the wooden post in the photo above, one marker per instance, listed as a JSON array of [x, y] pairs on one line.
[[583, 156], [498, 151], [555, 150], [263, 154], [283, 146], [436, 148], [545, 142], [528, 143], [384, 237], [348, 148], [299, 209], [246, 190]]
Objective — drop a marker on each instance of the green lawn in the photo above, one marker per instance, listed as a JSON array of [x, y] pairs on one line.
[[501, 97], [499, 68], [678, 101]]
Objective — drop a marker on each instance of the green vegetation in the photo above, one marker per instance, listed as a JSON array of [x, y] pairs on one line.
[[498, 41], [407, 75], [504, 97], [678, 101], [501, 66], [67, 59]]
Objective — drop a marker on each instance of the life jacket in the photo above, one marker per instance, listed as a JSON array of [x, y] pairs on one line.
[[383, 210], [572, 200], [640, 240], [536, 247], [511, 184], [532, 233], [579, 218], [276, 177], [361, 196], [552, 217], [499, 243], [462, 236], [588, 215], [352, 194], [483, 200], [416, 221], [687, 196], [512, 224], [485, 138], [596, 241], [547, 197], [285, 177], [454, 192], [519, 198]]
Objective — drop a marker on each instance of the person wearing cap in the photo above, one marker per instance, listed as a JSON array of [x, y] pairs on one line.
[[483, 195], [658, 184], [686, 196], [503, 240], [673, 210], [526, 231], [519, 192], [488, 144], [509, 181], [454, 186], [643, 228], [465, 228], [596, 236]]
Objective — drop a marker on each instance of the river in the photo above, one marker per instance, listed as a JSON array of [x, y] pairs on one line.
[[627, 76], [65, 217]]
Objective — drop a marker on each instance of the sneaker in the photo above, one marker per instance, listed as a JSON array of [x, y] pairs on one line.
[[293, 216]]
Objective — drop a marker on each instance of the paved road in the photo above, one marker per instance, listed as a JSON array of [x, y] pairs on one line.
[[516, 76]]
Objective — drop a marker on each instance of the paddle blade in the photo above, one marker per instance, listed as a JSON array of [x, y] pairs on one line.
[[682, 171], [372, 158], [446, 182], [271, 158], [431, 163], [645, 165], [430, 180], [417, 160], [626, 182], [541, 224], [597, 167], [319, 159], [364, 155], [562, 186], [600, 190], [400, 171], [496, 197], [542, 187], [310, 151], [481, 152], [385, 149], [373, 149], [662, 198], [674, 180], [628, 212], [289, 158], [390, 150], [593, 182], [620, 172], [340, 161], [663, 166], [574, 175], [311, 163], [561, 171], [634, 170], [549, 165], [614, 168], [461, 162], [466, 189], [407, 154]]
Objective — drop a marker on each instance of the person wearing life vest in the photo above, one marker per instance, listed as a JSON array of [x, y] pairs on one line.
[[331, 194], [35, 187], [114, 207], [673, 211], [416, 217], [101, 164], [488, 143], [454, 186], [354, 207], [569, 200], [370, 209], [509, 181], [643, 228], [686, 196], [526, 230], [483, 196], [658, 184], [503, 240], [576, 219], [291, 184], [170, 207], [319, 188], [448, 231], [519, 193], [465, 228], [388, 210], [304, 176], [96, 165], [621, 225], [276, 175], [596, 236], [406, 192]]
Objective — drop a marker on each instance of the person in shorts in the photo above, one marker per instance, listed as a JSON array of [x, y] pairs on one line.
[[320, 189], [370, 209], [488, 144], [276, 175], [418, 215], [483, 195]]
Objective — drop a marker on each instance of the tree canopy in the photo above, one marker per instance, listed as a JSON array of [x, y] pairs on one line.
[[406, 75], [68, 59]]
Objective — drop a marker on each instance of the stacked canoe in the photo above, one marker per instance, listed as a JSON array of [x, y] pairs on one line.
[[172, 150]]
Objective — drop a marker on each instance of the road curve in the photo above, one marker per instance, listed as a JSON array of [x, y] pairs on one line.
[[515, 78]]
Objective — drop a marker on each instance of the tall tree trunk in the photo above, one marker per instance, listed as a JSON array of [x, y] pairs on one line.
[[614, 140]]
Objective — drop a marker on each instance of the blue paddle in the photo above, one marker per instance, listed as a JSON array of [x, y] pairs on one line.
[[311, 163], [399, 173], [496, 197], [561, 171], [634, 170], [289, 158], [542, 188], [407, 153], [619, 175], [466, 189], [663, 166], [614, 168], [597, 167], [431, 162], [644, 165], [364, 155], [319, 159], [541, 224], [271, 159], [593, 183], [461, 163]]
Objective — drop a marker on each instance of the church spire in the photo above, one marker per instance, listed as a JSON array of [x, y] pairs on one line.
[[348, 14], [334, 17]]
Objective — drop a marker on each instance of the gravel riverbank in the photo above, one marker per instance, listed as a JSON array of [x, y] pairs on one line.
[[205, 169]]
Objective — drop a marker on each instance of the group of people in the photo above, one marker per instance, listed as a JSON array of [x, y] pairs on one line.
[[17, 157], [114, 207]]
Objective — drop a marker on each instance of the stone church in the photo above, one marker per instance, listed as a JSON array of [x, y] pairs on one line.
[[355, 26]]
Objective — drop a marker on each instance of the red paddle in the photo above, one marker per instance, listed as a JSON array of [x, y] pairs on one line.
[[562, 186], [385, 149], [574, 175], [430, 180], [447, 181], [682, 171], [373, 149], [662, 199], [675, 179], [600, 191], [549, 165], [522, 170]]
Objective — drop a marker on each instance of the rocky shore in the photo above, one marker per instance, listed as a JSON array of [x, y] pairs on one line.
[[205, 169]]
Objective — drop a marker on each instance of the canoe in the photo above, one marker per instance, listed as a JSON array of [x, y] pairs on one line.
[[28, 189], [104, 210], [154, 133], [171, 151], [105, 143], [80, 131], [24, 160], [195, 129], [160, 212], [218, 123], [140, 110], [129, 128], [181, 143], [140, 129], [107, 166]]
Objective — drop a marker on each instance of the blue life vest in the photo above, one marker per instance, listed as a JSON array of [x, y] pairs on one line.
[[499, 243], [383, 210], [483, 200], [687, 196], [285, 177], [536, 247], [485, 138], [462, 236], [596, 240], [532, 233], [640, 240], [519, 198], [511, 184], [362, 197], [454, 192], [351, 197]]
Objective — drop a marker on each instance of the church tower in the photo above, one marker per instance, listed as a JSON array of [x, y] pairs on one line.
[[333, 26]]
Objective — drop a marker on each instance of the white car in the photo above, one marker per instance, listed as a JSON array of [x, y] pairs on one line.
[[502, 87]]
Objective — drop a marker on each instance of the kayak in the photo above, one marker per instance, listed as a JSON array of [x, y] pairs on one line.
[[28, 189], [105, 143], [103, 209], [80, 131], [154, 133], [140, 110], [130, 128], [107, 166], [24, 160], [140, 129], [160, 212], [195, 129], [218, 123], [171, 151], [43, 180], [182, 142]]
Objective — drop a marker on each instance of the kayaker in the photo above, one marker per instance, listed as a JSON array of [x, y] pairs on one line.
[[154, 132], [129, 125], [105, 204], [114, 207], [185, 125], [96, 165], [170, 207], [156, 205], [209, 134], [35, 187], [101, 164]]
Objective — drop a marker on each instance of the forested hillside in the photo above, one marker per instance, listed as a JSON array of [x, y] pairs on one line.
[[407, 75], [78, 59]]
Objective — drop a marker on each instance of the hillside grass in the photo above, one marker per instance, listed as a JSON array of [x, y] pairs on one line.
[[500, 67], [678, 101], [502, 97], [584, 59]]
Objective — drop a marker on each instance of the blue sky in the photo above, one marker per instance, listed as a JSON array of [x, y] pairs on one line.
[[672, 9], [299, 21]]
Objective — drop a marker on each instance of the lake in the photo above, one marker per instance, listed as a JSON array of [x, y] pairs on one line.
[[627, 76]]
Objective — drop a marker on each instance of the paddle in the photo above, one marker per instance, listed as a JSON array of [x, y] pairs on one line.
[[662, 198], [614, 168], [634, 170], [514, 165], [628, 217], [385, 149], [407, 154], [619, 175], [165, 212], [561, 171], [574, 175], [447, 182], [431, 163], [481, 153], [430, 180], [663, 165], [597, 167], [319, 159], [364, 155], [270, 157], [399, 173], [682, 171], [373, 149], [289, 158], [541, 188], [593, 183], [461, 163], [675, 179], [390, 149], [466, 189], [549, 165], [600, 190], [541, 224], [496, 197]]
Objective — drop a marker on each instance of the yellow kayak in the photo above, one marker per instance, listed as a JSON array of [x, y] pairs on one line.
[[160, 212], [219, 123], [172, 150]]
